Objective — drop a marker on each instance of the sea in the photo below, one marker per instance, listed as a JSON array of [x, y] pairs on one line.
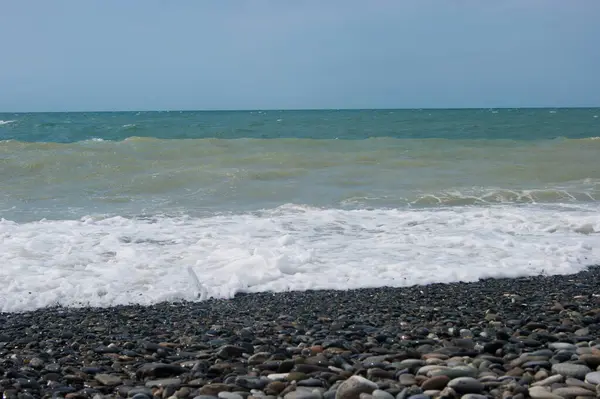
[[113, 208]]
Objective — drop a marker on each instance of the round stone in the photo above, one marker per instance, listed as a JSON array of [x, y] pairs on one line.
[[542, 393], [435, 383], [165, 382], [353, 387], [571, 370], [229, 395], [301, 394], [571, 392], [550, 380], [107, 379], [411, 364], [562, 346], [464, 385], [407, 379], [593, 378], [455, 372], [380, 394], [592, 361]]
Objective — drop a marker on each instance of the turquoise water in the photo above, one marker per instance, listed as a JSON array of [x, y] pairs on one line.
[[215, 203], [62, 165], [508, 124]]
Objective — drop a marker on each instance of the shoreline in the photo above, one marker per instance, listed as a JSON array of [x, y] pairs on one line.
[[592, 271], [310, 342]]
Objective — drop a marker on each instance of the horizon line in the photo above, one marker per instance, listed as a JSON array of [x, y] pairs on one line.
[[303, 109]]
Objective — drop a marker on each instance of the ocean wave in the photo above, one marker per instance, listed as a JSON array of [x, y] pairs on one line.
[[6, 122], [500, 196], [373, 143], [293, 247]]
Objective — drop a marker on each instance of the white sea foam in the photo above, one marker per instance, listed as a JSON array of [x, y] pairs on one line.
[[5, 122], [116, 260]]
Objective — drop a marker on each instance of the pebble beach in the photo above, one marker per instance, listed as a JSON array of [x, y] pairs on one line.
[[535, 337]]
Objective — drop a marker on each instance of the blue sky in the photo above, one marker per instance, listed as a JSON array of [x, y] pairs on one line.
[[274, 54]]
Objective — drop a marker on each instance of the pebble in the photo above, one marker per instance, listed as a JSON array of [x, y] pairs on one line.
[[569, 392], [540, 392], [593, 361], [229, 395], [562, 346], [163, 382], [108, 380], [438, 383], [593, 378], [549, 381], [354, 386], [571, 370], [379, 394], [464, 385], [407, 379], [454, 372], [278, 377], [578, 383], [302, 394]]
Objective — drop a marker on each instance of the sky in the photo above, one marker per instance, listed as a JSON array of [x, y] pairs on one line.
[[103, 55]]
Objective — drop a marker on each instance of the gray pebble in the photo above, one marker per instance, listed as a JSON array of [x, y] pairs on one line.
[[163, 382], [568, 392], [455, 372], [466, 385], [549, 381], [139, 390], [562, 346], [108, 380], [571, 370], [354, 386], [403, 394], [302, 394], [229, 395], [540, 392], [593, 378], [380, 394], [407, 379]]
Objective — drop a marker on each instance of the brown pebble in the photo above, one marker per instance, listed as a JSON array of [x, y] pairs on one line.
[[183, 392], [420, 379], [541, 375], [592, 361], [516, 372], [275, 387], [438, 382], [288, 389], [296, 376], [213, 389], [336, 351], [435, 356]]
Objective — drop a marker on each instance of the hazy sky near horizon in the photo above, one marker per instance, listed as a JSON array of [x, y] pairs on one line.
[[71, 55]]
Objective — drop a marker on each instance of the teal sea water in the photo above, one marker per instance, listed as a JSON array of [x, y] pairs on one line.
[[221, 202]]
